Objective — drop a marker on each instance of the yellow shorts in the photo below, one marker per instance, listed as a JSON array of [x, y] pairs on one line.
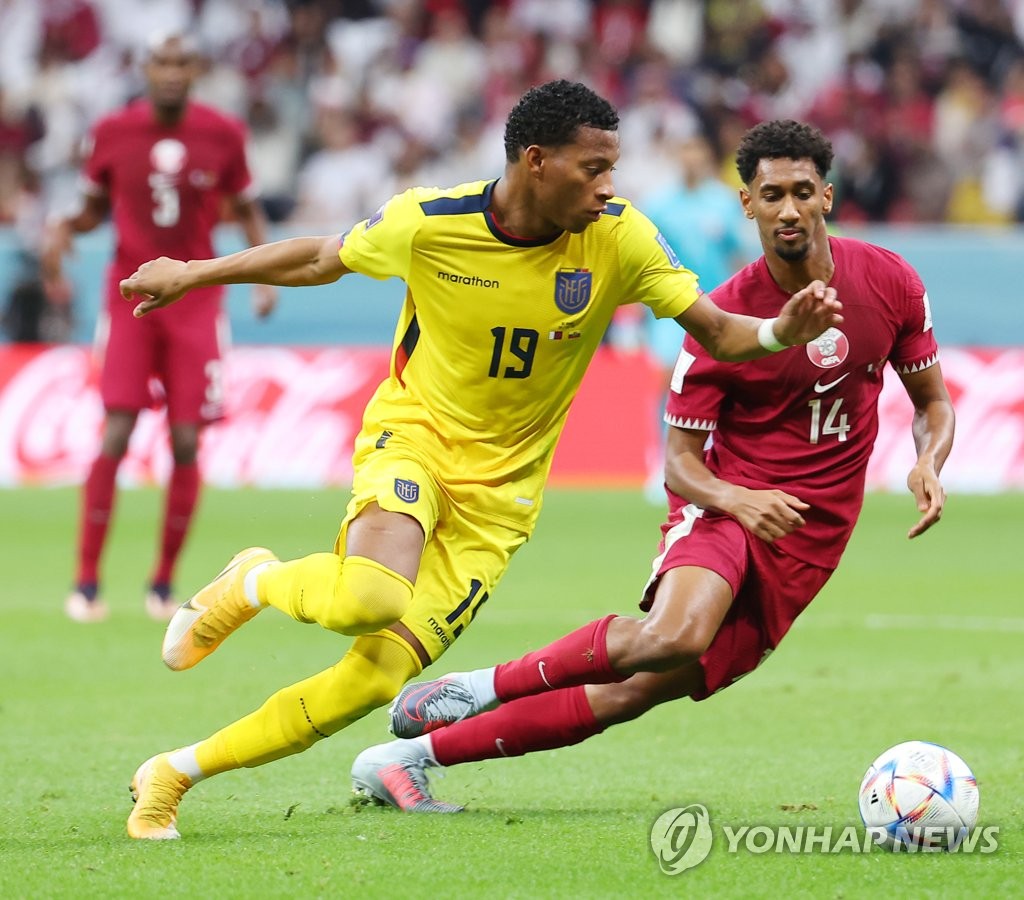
[[464, 555]]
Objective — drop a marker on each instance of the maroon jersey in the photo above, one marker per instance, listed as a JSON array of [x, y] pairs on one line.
[[165, 182], [804, 420]]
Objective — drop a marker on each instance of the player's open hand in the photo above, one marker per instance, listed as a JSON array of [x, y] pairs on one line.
[[768, 515], [157, 283], [930, 496], [808, 313]]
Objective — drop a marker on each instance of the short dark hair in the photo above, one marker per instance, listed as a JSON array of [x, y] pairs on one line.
[[551, 114], [782, 139]]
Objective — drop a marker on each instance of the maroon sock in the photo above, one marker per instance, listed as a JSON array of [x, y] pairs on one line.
[[182, 494], [97, 506], [554, 719], [578, 658]]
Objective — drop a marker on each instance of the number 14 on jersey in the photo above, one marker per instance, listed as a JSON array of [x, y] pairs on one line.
[[835, 422]]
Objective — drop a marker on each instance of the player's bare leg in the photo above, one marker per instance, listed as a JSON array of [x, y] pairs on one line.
[[613, 704], [690, 604]]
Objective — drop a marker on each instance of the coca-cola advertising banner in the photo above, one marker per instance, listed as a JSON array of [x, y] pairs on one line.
[[294, 413]]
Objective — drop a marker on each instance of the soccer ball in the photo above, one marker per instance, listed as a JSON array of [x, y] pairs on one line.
[[919, 796]]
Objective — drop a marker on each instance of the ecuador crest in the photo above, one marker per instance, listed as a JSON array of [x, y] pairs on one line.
[[572, 289], [407, 490]]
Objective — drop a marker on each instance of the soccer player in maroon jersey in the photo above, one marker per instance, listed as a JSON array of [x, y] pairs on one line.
[[757, 521], [162, 166]]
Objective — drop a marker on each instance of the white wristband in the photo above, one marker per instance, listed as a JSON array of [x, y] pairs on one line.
[[766, 336]]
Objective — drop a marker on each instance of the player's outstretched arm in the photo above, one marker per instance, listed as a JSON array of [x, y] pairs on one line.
[[767, 514], [295, 262], [732, 337], [933, 426]]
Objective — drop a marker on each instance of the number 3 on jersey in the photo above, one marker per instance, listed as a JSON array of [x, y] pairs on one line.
[[834, 422], [522, 345], [166, 201]]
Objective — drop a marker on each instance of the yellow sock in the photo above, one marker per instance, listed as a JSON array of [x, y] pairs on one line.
[[354, 595], [368, 676]]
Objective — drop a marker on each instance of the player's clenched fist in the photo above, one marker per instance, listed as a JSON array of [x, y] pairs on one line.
[[159, 282]]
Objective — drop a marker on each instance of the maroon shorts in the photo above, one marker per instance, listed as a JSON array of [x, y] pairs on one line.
[[171, 356], [770, 589]]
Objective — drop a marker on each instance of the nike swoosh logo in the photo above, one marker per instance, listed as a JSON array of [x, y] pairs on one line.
[[820, 388], [543, 677], [415, 695], [500, 744]]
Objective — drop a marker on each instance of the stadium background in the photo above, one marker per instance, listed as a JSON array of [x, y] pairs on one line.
[[348, 102], [925, 103]]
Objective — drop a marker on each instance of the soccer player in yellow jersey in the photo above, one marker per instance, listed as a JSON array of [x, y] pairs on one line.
[[511, 285]]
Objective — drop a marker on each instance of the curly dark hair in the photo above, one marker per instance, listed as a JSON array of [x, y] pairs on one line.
[[782, 139], [550, 114]]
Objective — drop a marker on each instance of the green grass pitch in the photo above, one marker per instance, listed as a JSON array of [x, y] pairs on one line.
[[917, 639]]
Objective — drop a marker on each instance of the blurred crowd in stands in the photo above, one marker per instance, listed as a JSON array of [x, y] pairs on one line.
[[349, 101]]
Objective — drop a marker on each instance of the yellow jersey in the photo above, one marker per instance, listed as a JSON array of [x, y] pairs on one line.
[[496, 333]]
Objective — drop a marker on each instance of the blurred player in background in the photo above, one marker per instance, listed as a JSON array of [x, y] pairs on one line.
[[699, 216], [757, 523], [163, 167], [511, 285]]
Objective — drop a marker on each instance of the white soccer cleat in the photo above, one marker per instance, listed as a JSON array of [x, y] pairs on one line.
[[396, 774], [425, 707]]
